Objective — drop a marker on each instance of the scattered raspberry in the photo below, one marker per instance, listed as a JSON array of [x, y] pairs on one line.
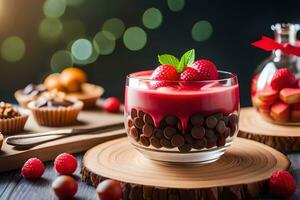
[[164, 73], [65, 164], [190, 74], [283, 78], [282, 184], [206, 68], [33, 168], [112, 104], [65, 187]]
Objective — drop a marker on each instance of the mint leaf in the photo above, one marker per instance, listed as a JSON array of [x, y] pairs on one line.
[[168, 59], [186, 59]]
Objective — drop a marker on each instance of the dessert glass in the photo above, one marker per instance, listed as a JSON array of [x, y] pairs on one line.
[[181, 122]]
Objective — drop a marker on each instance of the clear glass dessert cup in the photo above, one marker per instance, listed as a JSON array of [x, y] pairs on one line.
[[177, 122]]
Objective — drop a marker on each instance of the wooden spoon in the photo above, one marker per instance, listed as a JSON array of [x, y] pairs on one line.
[[30, 140]]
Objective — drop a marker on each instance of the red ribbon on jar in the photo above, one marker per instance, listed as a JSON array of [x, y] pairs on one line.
[[268, 44]]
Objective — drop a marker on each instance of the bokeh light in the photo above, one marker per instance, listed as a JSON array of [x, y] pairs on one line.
[[91, 59], [82, 49], [73, 29], [13, 49], [74, 2], [60, 60], [103, 45], [135, 38], [54, 8], [176, 5], [113, 27], [152, 18], [202, 30], [50, 29]]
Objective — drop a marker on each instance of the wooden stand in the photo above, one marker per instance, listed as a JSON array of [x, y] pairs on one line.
[[241, 173], [253, 126]]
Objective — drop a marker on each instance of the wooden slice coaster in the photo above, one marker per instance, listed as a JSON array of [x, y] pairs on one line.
[[241, 173], [253, 126]]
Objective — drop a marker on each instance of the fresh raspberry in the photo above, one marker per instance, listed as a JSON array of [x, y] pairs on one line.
[[112, 104], [283, 78], [65, 187], [190, 74], [206, 68], [65, 163], [164, 73], [282, 184], [33, 168]]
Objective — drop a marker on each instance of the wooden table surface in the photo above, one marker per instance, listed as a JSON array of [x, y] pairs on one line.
[[13, 186]]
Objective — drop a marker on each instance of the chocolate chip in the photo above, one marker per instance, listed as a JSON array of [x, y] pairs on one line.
[[158, 133], [141, 114], [197, 120], [155, 142], [209, 133], [188, 138], [233, 119], [169, 132], [220, 128], [147, 130], [211, 141], [129, 122], [185, 148], [133, 113], [171, 120], [198, 132], [199, 144], [148, 119], [221, 141], [144, 140], [138, 122], [177, 140], [227, 132], [133, 132], [211, 122], [166, 143]]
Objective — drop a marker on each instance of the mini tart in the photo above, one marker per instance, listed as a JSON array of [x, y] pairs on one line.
[[11, 120], [59, 115], [33, 93], [89, 95]]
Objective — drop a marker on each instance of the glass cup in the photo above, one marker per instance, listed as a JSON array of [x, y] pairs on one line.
[[181, 122]]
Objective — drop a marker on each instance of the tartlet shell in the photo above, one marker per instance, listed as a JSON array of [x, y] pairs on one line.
[[13, 125]]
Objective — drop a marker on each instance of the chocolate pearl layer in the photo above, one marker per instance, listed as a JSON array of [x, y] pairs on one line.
[[155, 142], [169, 132], [166, 143], [233, 129], [220, 128], [134, 133], [227, 132], [148, 119], [221, 141], [199, 144], [141, 114], [133, 113], [138, 122], [185, 148], [188, 138], [219, 116], [158, 133], [144, 140], [197, 120], [233, 119], [211, 122], [198, 132], [226, 120], [147, 130], [177, 140], [171, 120], [179, 126], [129, 122]]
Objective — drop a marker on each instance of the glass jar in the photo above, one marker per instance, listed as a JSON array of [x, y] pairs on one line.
[[267, 99], [181, 122]]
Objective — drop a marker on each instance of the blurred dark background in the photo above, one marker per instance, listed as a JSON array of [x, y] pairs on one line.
[[41, 37]]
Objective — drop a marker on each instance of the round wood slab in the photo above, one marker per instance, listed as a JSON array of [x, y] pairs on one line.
[[253, 126], [240, 173]]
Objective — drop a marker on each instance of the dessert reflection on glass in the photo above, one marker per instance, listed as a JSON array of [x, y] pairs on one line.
[[182, 113]]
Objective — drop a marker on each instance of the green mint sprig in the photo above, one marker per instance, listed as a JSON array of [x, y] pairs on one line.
[[186, 59]]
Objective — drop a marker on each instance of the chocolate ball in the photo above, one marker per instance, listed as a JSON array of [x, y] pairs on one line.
[[64, 187], [109, 190]]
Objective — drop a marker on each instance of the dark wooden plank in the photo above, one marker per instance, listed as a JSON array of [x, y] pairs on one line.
[[14, 187]]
